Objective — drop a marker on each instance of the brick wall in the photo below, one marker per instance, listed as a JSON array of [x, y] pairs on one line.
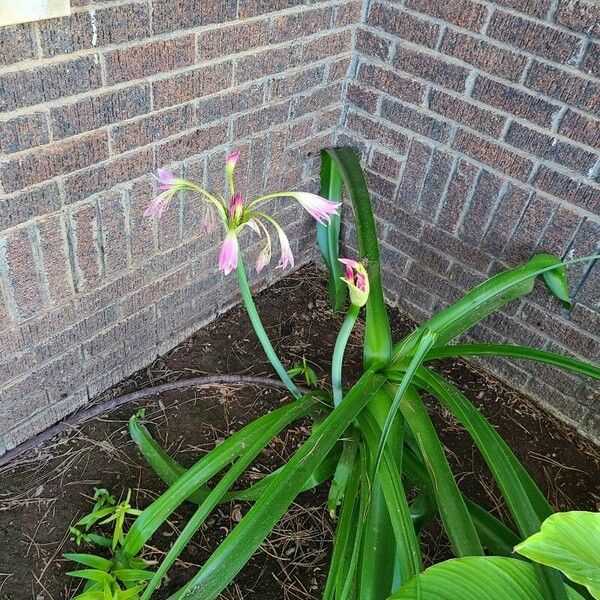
[[90, 105], [479, 126], [478, 122]]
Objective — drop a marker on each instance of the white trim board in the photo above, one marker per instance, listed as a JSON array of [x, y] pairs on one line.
[[24, 11]]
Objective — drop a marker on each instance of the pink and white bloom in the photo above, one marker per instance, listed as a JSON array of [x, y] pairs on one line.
[[319, 208], [357, 279], [228, 258], [235, 214]]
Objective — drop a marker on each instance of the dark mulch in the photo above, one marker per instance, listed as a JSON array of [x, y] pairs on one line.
[[44, 492]]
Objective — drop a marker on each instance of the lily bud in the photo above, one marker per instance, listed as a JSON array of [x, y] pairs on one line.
[[357, 280]]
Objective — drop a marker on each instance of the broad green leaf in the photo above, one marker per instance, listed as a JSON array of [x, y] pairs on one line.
[[480, 302], [92, 575], [133, 575], [169, 470], [90, 560], [343, 472], [556, 281], [453, 511], [477, 578], [328, 236], [237, 548], [525, 502], [570, 542], [378, 340]]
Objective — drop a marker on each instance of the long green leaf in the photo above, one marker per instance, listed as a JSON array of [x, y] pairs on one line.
[[237, 548], [328, 236], [477, 578], [169, 470], [524, 352], [453, 511], [522, 496], [480, 302], [569, 542], [378, 339], [90, 560], [246, 457], [208, 466]]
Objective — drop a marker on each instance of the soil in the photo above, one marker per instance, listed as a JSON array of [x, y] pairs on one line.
[[44, 492]]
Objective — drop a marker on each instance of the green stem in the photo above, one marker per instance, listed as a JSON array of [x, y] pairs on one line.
[[338, 353], [260, 330]]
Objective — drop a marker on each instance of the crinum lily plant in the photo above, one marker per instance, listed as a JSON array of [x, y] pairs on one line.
[[372, 442]]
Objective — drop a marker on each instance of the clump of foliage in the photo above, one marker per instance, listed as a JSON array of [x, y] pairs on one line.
[[121, 576], [371, 442]]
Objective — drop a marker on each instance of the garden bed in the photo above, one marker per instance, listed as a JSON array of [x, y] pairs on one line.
[[43, 492]]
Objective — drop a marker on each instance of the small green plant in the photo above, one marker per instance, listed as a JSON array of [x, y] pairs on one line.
[[305, 370], [373, 440], [120, 577]]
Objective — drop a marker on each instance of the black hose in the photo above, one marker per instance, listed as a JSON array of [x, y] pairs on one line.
[[89, 413]]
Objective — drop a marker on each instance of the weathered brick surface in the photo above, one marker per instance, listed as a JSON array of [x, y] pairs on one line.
[[483, 148], [477, 121]]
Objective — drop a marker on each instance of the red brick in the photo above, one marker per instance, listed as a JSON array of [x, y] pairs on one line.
[[115, 251], [252, 8], [550, 148], [579, 15], [42, 84], [572, 190], [398, 86], [317, 100], [431, 68], [386, 165], [464, 13], [219, 107], [225, 41], [174, 15], [56, 270], [413, 176], [591, 62], [348, 14], [300, 81], [466, 113], [113, 25], [376, 130], [192, 84], [372, 44], [415, 120], [58, 159], [480, 208], [106, 175], [21, 273], [338, 69], [327, 46], [187, 145], [17, 43], [435, 172], [494, 155], [457, 195], [560, 231], [417, 250], [535, 8], [97, 111], [141, 228], [565, 86], [152, 128], [125, 64], [404, 25], [581, 129], [484, 55], [85, 243], [22, 206], [23, 132], [260, 120], [512, 100], [531, 227], [534, 37], [292, 26], [362, 98]]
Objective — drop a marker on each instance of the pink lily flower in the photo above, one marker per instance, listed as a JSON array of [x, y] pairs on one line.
[[319, 208], [287, 258], [166, 179], [357, 279], [231, 160], [236, 206], [228, 258]]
